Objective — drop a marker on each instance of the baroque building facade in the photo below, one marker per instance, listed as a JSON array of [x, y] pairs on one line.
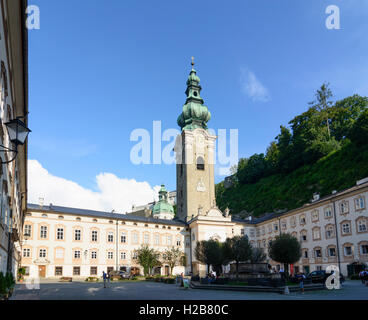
[[13, 104], [72, 242]]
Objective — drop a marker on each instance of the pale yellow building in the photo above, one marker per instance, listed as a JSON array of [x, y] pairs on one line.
[[13, 105]]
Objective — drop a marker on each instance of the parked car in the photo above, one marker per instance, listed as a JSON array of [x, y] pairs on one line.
[[117, 275], [297, 277], [320, 276]]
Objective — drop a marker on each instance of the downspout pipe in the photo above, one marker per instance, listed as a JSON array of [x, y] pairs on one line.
[[337, 236]]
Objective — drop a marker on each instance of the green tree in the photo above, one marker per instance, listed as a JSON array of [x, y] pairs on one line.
[[209, 252], [359, 132], [237, 249], [173, 257], [323, 104], [253, 170], [285, 249], [147, 258], [345, 113]]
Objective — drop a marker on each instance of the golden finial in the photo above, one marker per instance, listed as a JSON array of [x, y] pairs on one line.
[[193, 61]]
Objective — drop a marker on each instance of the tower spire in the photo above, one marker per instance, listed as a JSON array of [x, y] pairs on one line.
[[195, 114]]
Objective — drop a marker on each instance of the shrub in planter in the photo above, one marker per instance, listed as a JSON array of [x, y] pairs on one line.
[[92, 279], [9, 280], [2, 284], [355, 277]]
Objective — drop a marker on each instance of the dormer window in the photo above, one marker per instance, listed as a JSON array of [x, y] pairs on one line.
[[61, 217]]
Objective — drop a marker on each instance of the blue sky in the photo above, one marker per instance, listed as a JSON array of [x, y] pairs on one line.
[[100, 69]]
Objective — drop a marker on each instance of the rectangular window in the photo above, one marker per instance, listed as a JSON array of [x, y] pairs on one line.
[[187, 242], [43, 232], [242, 232], [110, 237], [135, 255], [346, 228], [123, 238], [123, 256], [364, 248], [146, 238], [77, 235], [94, 255], [178, 242], [42, 253], [110, 255], [60, 234], [332, 252], [328, 212], [318, 253], [93, 271], [135, 237], [344, 207], [315, 215], [275, 227], [94, 236], [157, 239], [76, 271], [77, 254], [359, 203], [27, 271], [362, 226], [59, 254], [316, 234], [305, 254], [169, 240], [26, 253], [58, 271], [348, 251], [27, 230]]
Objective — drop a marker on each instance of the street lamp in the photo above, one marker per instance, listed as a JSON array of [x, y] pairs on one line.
[[18, 133]]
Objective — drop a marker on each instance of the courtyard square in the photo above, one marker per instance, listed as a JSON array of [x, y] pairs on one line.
[[142, 290]]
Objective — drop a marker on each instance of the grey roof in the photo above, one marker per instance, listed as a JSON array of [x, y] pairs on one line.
[[102, 214]]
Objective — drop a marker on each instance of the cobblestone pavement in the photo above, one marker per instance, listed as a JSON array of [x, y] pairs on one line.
[[142, 290]]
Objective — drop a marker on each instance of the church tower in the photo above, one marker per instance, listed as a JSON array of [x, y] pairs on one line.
[[194, 155]]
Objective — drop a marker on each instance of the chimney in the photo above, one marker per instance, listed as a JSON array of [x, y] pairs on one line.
[[315, 197], [40, 202]]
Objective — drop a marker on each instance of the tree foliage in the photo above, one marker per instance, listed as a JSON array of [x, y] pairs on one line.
[[173, 257], [147, 258], [237, 249], [209, 252], [285, 249]]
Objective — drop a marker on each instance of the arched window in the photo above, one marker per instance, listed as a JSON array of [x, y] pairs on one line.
[[200, 163]]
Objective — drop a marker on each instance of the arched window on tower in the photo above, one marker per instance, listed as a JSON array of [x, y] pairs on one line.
[[200, 163]]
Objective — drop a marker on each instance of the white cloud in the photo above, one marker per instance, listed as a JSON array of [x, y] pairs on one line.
[[252, 87], [112, 192]]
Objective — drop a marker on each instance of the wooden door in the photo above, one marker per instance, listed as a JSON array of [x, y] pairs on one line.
[[42, 271], [167, 270]]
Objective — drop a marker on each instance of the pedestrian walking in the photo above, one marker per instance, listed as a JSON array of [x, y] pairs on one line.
[[301, 284], [104, 277]]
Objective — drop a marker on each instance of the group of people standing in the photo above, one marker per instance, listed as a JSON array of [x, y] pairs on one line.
[[363, 275]]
